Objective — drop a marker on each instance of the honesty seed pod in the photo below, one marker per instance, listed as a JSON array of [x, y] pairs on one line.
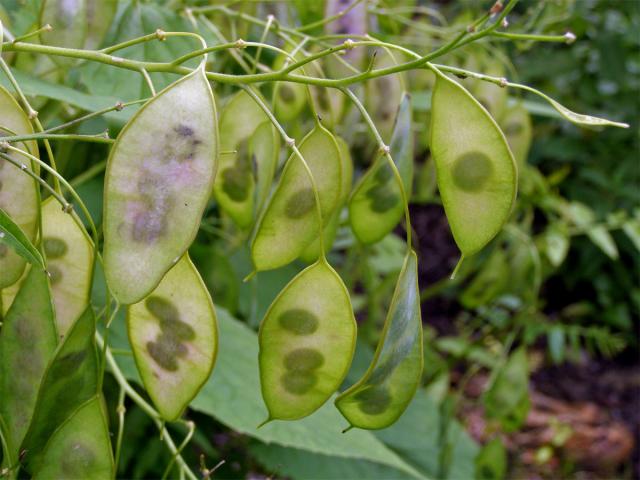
[[476, 172], [174, 338], [290, 221], [15, 184], [158, 180], [379, 398], [307, 340]]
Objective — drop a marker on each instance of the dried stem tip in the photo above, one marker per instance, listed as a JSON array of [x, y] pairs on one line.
[[569, 38], [161, 34], [497, 8], [241, 44]]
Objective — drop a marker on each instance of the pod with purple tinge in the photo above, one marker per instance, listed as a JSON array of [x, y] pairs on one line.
[[158, 181]]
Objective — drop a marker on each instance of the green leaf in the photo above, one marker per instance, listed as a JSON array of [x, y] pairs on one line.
[[81, 447], [632, 229], [491, 462], [70, 380], [27, 341], [232, 396], [13, 236]]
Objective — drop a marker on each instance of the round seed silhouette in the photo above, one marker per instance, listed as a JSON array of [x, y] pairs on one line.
[[303, 360], [299, 321], [374, 401], [300, 203], [299, 383], [471, 171], [54, 247]]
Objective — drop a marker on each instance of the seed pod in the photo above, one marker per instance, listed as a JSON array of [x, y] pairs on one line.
[[516, 125], [81, 447], [235, 186], [69, 256], [383, 95], [379, 398], [174, 338], [158, 180], [290, 222], [376, 205], [307, 339], [477, 175], [18, 191], [312, 252], [27, 341], [264, 149], [70, 380]]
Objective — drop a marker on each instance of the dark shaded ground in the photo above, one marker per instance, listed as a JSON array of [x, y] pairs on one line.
[[612, 385]]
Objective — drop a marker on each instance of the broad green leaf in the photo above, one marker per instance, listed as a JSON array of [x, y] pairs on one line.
[[556, 243], [632, 229], [380, 397], [69, 255], [312, 252], [11, 236], [491, 462], [232, 396], [14, 185], [174, 337], [507, 398], [517, 128], [376, 205], [289, 222], [80, 447], [234, 188], [477, 175], [70, 380], [27, 341], [69, 21], [307, 341], [158, 180], [583, 217]]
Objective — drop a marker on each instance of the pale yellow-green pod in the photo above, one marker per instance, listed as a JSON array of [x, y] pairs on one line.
[[307, 339], [70, 261], [476, 171], [379, 398], [18, 191], [234, 189], [289, 222], [174, 337], [516, 125], [158, 181]]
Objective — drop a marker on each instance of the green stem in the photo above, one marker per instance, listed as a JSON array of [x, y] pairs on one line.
[[98, 138]]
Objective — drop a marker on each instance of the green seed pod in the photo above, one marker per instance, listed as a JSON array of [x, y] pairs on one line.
[[18, 191], [491, 96], [174, 338], [383, 95], [517, 128], [477, 175], [81, 447], [379, 398], [289, 222], [264, 149], [27, 341], [69, 256], [376, 205], [69, 21], [235, 186], [307, 340], [158, 180], [312, 252], [70, 380]]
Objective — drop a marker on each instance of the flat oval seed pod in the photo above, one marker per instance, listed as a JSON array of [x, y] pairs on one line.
[[290, 222], [234, 187], [69, 21], [383, 95], [70, 380], [27, 341], [18, 191], [174, 338], [312, 252], [80, 447], [307, 340], [158, 180], [516, 125], [476, 172], [376, 205], [69, 256], [379, 398]]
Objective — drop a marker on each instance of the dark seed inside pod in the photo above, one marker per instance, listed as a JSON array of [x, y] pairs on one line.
[[374, 400], [300, 203], [303, 360], [299, 321], [54, 247], [299, 383], [471, 171]]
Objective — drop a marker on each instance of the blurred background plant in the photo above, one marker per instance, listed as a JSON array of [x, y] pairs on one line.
[[531, 353]]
